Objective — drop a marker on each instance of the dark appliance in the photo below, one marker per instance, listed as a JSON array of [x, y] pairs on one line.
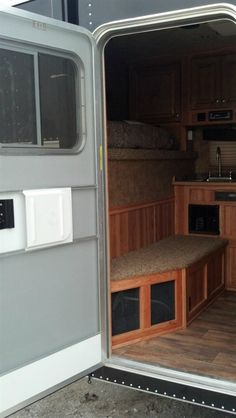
[[226, 196], [204, 219], [219, 133]]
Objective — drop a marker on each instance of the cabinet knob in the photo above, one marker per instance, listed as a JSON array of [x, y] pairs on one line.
[[177, 115], [223, 100], [217, 100]]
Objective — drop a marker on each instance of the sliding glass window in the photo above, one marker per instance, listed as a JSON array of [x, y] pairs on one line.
[[38, 100]]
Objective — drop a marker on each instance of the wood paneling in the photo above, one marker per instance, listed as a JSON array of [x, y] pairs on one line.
[[207, 347], [204, 281], [181, 210], [215, 275], [196, 290], [231, 265], [229, 220], [134, 227]]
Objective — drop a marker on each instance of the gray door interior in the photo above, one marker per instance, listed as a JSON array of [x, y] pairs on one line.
[[49, 263]]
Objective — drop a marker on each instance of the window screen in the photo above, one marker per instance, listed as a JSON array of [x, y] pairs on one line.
[[17, 98], [57, 101], [162, 302], [37, 100], [125, 311]]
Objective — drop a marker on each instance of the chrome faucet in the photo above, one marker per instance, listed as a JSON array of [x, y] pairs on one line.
[[218, 159]]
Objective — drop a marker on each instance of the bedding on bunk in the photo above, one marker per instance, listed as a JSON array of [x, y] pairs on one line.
[[131, 134]]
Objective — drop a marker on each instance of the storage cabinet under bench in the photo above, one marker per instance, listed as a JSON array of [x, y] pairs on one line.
[[163, 287]]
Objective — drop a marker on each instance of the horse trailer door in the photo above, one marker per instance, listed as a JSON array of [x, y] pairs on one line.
[[49, 186]]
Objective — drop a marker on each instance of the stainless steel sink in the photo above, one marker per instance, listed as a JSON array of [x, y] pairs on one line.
[[219, 179]]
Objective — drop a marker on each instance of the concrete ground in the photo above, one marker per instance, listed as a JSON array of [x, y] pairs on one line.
[[104, 400]]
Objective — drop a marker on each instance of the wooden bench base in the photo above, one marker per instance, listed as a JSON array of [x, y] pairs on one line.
[[144, 284], [195, 287]]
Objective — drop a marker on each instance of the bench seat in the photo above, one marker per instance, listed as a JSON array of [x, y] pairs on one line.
[[186, 273], [172, 253]]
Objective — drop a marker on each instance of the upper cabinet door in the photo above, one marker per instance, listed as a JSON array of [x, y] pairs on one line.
[[49, 192], [213, 82], [228, 77], [155, 94], [205, 92]]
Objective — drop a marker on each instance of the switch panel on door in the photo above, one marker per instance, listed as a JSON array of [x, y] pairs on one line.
[[6, 214]]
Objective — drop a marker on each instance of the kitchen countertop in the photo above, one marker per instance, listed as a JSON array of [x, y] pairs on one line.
[[172, 253]]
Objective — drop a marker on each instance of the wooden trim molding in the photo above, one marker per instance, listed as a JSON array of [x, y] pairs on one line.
[[137, 226]]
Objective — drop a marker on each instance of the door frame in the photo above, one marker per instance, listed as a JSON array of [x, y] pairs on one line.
[[103, 34]]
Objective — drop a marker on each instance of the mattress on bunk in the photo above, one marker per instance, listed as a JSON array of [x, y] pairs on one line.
[[127, 134]]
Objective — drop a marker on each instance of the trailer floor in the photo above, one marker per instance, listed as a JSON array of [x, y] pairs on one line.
[[206, 347], [104, 400]]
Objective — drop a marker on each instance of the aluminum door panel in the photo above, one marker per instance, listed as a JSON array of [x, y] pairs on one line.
[[49, 297], [50, 309]]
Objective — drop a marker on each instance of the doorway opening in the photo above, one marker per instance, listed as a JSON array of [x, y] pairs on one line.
[[173, 299]]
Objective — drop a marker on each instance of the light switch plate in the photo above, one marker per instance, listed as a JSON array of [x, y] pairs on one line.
[[48, 217], [14, 239]]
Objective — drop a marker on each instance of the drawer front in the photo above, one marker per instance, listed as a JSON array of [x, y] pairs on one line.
[[201, 195], [228, 227]]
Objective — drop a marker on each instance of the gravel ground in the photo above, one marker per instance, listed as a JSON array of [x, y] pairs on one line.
[[104, 400]]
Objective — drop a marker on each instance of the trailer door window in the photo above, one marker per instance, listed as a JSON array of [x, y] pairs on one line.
[[57, 101], [37, 100], [17, 98]]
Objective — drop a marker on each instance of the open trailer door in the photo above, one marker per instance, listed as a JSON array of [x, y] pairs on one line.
[[49, 186]]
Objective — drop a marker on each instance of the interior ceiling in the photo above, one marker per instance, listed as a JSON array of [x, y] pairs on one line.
[[195, 37]]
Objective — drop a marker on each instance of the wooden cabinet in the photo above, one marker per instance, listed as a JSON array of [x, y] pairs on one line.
[[228, 211], [215, 275], [228, 80], [231, 265], [174, 92], [155, 93], [213, 82], [228, 224], [196, 290], [204, 194], [204, 83], [204, 281]]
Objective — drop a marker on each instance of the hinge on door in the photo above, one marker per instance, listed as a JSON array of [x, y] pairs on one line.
[[101, 157]]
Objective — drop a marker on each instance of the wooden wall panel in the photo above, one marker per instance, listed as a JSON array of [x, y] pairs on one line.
[[135, 227], [196, 289], [229, 220], [215, 274], [181, 210]]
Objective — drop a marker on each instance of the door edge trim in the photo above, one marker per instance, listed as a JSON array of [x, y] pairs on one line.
[[172, 390]]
